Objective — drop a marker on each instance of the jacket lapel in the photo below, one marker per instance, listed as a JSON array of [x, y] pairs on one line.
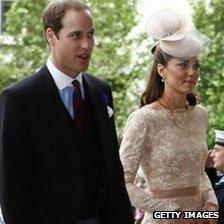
[[105, 124], [61, 124], [94, 96]]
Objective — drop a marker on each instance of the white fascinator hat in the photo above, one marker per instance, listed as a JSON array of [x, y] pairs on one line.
[[175, 35]]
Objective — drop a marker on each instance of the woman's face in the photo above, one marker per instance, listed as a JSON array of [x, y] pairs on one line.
[[181, 75]]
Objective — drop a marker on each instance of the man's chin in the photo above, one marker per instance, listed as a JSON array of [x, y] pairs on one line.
[[83, 68], [218, 167]]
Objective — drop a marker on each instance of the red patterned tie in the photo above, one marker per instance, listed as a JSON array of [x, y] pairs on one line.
[[78, 106]]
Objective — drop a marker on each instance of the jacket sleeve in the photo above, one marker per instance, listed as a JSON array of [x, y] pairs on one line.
[[134, 142], [15, 163]]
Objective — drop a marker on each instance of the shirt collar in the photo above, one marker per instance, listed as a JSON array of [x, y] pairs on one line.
[[61, 79]]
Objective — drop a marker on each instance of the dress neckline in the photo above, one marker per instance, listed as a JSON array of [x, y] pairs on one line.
[[154, 106]]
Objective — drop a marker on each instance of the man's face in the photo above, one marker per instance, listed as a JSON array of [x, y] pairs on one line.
[[218, 157], [72, 47]]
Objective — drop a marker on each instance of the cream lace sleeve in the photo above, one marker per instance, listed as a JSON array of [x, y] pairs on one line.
[[135, 140], [207, 190]]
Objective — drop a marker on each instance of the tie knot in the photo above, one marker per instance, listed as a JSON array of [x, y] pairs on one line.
[[76, 84], [77, 88]]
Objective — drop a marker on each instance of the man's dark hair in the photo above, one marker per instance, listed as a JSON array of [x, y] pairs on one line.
[[55, 11]]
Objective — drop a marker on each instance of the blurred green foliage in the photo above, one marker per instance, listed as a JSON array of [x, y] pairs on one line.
[[209, 19], [114, 19], [27, 51]]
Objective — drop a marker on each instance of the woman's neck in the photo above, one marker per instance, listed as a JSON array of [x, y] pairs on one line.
[[173, 102]]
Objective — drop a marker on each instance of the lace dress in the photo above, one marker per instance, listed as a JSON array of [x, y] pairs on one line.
[[171, 150]]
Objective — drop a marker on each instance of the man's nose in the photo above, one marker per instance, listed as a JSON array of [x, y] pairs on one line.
[[85, 43]]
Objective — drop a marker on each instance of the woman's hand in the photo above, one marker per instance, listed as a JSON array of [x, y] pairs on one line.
[[209, 160], [211, 221], [208, 206], [187, 221]]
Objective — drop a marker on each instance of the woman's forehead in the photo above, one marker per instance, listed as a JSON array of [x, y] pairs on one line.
[[188, 60]]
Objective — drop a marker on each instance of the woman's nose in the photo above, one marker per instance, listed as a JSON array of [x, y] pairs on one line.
[[212, 153], [192, 70]]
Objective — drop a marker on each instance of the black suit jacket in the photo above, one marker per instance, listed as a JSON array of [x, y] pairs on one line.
[[218, 186], [41, 178]]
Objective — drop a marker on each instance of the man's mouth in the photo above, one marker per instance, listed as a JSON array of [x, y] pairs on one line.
[[83, 58]]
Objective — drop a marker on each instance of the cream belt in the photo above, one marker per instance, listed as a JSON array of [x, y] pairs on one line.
[[179, 192]]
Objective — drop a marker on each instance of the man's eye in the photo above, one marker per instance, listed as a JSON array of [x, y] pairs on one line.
[[74, 35], [91, 34]]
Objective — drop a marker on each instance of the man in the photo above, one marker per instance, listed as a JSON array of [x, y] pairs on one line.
[[214, 168], [58, 146], [217, 155]]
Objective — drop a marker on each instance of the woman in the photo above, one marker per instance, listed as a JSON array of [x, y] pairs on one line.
[[167, 135]]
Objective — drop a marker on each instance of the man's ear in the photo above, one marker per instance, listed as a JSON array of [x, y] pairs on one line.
[[161, 70], [50, 36]]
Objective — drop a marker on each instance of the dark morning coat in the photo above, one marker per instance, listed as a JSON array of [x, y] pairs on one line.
[[41, 178]]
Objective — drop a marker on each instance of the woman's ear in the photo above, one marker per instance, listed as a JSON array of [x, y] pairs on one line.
[[161, 70]]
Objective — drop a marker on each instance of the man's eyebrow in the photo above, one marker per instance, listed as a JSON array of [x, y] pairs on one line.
[[74, 32], [78, 32]]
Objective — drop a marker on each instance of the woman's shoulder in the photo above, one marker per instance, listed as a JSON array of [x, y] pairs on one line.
[[199, 108], [148, 111], [140, 119]]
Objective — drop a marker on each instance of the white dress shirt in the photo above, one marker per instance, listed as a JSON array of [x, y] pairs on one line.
[[65, 86]]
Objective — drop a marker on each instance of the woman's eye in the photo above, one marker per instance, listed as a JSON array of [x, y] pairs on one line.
[[197, 66], [183, 64]]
